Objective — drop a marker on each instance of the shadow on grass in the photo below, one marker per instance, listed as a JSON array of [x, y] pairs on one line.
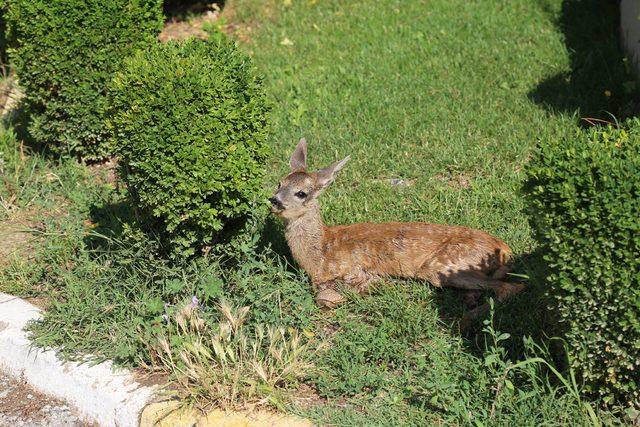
[[272, 237], [595, 84], [17, 118], [527, 314], [119, 226], [181, 10], [120, 223]]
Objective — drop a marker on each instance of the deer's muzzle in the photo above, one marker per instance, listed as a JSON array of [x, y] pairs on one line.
[[276, 205]]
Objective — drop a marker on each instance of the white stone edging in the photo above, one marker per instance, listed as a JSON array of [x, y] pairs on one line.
[[101, 394]]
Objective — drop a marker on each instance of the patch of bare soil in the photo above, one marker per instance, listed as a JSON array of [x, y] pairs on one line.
[[10, 94], [7, 83], [192, 22], [458, 181], [41, 302], [241, 31], [178, 28], [17, 240], [19, 233], [16, 235], [105, 172], [148, 378], [307, 397], [17, 398], [5, 89], [21, 405]]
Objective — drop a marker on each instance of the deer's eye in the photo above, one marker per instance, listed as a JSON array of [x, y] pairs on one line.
[[301, 194]]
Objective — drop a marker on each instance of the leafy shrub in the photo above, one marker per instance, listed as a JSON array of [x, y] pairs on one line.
[[65, 53], [585, 203], [189, 123]]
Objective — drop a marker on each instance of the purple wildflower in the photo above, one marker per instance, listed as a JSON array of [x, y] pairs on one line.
[[194, 302]]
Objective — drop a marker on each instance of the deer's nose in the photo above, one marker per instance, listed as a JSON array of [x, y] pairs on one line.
[[274, 201]]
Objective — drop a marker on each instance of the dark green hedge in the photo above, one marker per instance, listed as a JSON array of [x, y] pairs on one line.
[[585, 207], [65, 52], [189, 123]]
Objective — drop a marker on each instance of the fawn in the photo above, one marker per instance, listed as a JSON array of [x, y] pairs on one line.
[[359, 254]]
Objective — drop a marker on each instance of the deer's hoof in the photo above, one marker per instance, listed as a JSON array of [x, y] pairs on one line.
[[328, 298], [471, 299], [472, 316]]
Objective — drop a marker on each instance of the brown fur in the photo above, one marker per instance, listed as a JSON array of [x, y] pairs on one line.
[[359, 254]]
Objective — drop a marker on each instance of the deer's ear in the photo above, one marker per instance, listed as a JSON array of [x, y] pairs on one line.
[[299, 157], [327, 175]]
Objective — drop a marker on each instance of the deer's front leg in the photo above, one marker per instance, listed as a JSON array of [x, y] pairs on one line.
[[327, 296]]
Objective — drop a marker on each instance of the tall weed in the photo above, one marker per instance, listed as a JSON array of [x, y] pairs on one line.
[[223, 362]]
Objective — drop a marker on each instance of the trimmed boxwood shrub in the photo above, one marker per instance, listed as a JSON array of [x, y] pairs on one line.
[[585, 207], [189, 122], [65, 52]]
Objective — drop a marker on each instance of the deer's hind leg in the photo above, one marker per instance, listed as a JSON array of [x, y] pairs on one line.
[[478, 281], [501, 272]]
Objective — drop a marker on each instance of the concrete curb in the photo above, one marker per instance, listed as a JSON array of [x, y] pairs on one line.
[[101, 394]]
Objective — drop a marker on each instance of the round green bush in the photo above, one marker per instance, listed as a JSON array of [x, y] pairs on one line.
[[585, 207], [65, 52], [189, 122]]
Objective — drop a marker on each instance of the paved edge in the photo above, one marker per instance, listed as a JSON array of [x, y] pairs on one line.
[[107, 396]]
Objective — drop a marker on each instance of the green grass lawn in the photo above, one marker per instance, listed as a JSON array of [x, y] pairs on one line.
[[440, 92], [448, 95]]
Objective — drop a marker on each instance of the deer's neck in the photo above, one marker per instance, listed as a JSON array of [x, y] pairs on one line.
[[304, 236]]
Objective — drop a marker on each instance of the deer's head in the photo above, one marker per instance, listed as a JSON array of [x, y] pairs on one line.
[[298, 191]]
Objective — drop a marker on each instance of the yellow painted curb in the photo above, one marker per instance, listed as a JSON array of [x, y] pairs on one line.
[[170, 414]]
